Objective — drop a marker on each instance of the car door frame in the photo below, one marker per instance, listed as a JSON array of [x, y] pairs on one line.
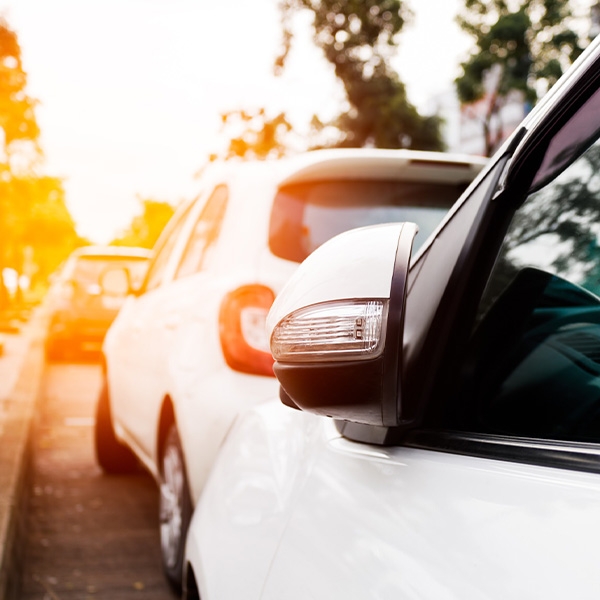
[[123, 369], [536, 146], [445, 286]]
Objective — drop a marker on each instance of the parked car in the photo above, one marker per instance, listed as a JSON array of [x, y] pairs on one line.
[[448, 439], [188, 350], [79, 313]]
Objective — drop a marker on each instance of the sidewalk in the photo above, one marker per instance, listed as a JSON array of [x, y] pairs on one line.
[[21, 372], [13, 348]]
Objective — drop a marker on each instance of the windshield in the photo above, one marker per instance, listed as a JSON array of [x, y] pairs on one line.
[[88, 269], [306, 215]]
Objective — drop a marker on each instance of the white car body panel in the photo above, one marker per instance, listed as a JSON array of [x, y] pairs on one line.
[[137, 341], [338, 272], [165, 344], [292, 510], [400, 522], [173, 326]]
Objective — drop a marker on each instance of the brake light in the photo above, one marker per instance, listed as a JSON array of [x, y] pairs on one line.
[[242, 331]]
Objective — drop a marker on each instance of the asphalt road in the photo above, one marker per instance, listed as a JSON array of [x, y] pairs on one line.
[[90, 536]]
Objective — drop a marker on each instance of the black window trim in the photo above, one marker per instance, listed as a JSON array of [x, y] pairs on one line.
[[570, 455], [495, 214], [574, 456]]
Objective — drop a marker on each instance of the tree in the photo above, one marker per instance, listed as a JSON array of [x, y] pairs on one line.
[[358, 38], [252, 134], [17, 117], [20, 133], [522, 46], [38, 231], [145, 227]]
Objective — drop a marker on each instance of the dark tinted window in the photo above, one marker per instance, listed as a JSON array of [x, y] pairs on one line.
[[306, 215], [534, 358]]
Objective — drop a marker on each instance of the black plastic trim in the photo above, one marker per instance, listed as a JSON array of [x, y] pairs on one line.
[[569, 101], [559, 454], [457, 305], [392, 359], [348, 390]]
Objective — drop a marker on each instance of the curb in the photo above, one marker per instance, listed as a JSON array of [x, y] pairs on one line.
[[16, 415]]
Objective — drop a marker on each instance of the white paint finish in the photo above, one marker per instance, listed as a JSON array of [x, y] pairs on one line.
[[355, 264], [137, 375], [420, 524], [247, 501], [296, 512], [165, 343], [392, 165]]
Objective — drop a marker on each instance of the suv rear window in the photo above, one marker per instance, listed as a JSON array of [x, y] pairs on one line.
[[88, 269], [306, 215]]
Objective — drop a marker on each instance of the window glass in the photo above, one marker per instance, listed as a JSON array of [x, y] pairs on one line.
[[88, 269], [533, 365], [204, 234], [306, 215], [158, 266]]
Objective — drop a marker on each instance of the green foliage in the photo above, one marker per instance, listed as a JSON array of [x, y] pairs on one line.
[[358, 38], [17, 118], [522, 46], [253, 135], [145, 227], [37, 230], [568, 210]]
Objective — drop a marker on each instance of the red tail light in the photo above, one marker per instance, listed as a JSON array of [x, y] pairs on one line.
[[242, 329]]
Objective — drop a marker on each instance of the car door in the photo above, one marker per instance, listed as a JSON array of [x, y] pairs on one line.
[[492, 487], [136, 350], [192, 313]]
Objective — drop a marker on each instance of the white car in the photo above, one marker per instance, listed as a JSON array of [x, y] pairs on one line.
[[188, 351], [448, 439]]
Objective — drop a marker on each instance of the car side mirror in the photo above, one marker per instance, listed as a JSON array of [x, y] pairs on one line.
[[336, 328]]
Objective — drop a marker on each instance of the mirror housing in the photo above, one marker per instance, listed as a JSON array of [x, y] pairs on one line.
[[336, 327]]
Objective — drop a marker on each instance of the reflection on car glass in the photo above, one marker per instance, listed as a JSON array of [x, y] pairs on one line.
[[537, 370], [534, 358], [559, 226], [306, 215]]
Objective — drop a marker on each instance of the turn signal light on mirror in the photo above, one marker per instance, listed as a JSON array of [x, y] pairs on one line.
[[331, 331], [242, 331]]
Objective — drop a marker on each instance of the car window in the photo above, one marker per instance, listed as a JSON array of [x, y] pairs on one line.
[[533, 366], [306, 215], [204, 234], [165, 247], [88, 269]]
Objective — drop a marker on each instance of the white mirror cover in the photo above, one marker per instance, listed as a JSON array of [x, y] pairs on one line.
[[355, 264]]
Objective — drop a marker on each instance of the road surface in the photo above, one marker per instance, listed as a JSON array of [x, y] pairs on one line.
[[90, 535]]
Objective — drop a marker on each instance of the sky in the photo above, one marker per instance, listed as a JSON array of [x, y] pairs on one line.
[[130, 91]]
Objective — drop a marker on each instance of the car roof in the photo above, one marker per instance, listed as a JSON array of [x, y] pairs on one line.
[[368, 163], [115, 252], [355, 164]]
